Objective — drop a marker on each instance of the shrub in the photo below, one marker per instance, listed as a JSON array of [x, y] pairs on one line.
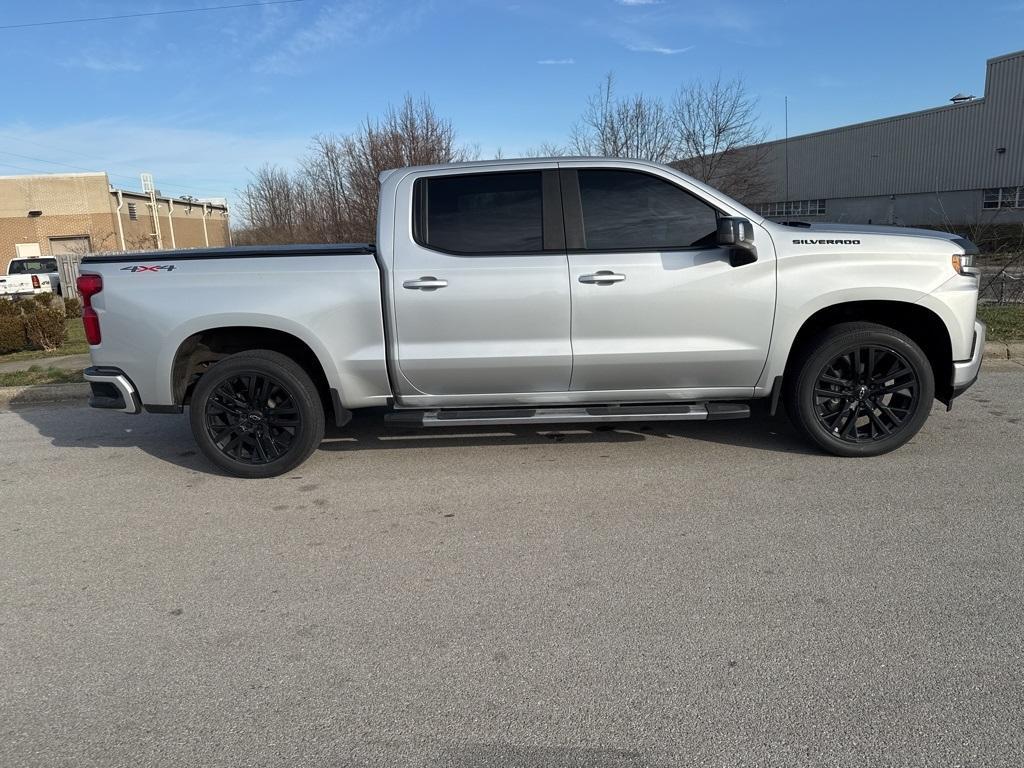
[[9, 308], [72, 307], [45, 328], [12, 333], [42, 301]]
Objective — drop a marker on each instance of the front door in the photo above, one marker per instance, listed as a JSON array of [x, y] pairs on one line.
[[481, 289], [655, 303]]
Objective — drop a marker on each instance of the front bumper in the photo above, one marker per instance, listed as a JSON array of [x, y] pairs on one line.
[[112, 390], [965, 373]]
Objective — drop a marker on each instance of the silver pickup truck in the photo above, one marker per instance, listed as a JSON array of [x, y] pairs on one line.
[[535, 292]]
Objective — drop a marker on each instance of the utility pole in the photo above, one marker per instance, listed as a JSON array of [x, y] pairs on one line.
[[785, 146], [149, 188]]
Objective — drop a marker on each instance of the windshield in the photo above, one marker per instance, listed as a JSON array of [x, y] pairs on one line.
[[32, 267]]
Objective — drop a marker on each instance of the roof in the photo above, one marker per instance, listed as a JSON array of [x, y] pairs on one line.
[[58, 174], [971, 145], [972, 103], [196, 202], [113, 189], [614, 162]]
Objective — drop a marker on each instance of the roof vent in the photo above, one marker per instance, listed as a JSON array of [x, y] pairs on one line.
[[960, 98]]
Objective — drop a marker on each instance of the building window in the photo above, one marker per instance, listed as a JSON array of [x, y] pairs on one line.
[[793, 208], [133, 213], [1004, 197]]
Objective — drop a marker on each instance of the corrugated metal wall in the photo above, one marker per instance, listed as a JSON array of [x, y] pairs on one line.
[[946, 148]]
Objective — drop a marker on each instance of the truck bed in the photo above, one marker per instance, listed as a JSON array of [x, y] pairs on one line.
[[234, 252], [327, 297]]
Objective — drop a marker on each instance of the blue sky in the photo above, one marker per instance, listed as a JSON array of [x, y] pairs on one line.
[[197, 99]]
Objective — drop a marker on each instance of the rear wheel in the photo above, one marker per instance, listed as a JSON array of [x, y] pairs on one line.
[[860, 389], [257, 414]]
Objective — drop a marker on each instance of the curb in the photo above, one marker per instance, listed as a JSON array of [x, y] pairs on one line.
[[997, 350], [43, 393]]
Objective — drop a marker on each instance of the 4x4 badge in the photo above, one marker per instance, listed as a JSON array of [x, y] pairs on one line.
[[147, 268]]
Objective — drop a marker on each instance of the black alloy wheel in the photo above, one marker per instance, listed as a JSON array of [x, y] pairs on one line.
[[866, 394], [257, 414], [252, 418], [859, 389]]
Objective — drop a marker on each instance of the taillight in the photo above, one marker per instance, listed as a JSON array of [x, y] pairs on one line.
[[35, 282], [89, 286]]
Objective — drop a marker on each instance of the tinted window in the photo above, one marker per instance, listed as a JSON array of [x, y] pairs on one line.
[[483, 213], [625, 210], [33, 267]]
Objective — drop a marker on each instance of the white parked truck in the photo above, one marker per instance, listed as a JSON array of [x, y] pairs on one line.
[[29, 276], [535, 292]]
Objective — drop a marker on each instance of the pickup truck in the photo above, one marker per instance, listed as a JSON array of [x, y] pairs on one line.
[[45, 268], [28, 276], [581, 291]]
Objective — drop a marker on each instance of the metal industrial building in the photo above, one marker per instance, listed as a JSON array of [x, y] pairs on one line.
[[956, 166]]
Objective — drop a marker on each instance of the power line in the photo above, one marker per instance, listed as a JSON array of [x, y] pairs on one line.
[[104, 162], [148, 13], [191, 188]]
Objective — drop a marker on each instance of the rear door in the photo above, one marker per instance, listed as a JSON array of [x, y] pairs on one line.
[[480, 284], [656, 304]]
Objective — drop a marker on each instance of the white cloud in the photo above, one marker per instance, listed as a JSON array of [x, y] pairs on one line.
[[639, 2], [653, 48], [99, 62], [336, 22], [556, 62]]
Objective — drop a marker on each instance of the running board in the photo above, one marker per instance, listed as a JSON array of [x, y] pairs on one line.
[[587, 415]]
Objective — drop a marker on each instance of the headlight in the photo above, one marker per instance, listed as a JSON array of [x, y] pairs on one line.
[[966, 264]]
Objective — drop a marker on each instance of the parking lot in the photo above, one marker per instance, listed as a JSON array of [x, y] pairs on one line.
[[671, 594]]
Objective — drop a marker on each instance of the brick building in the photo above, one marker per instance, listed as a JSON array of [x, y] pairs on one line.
[[54, 214]]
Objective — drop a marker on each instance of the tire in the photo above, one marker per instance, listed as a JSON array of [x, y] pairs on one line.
[[256, 414], [859, 389]]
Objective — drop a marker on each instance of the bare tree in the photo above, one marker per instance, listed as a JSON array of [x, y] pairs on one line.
[[711, 131], [636, 127], [410, 135], [332, 196], [268, 207], [719, 138]]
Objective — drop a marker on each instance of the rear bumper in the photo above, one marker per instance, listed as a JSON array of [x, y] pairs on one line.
[[965, 373], [112, 390]]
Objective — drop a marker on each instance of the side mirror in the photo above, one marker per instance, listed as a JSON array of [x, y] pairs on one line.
[[737, 234]]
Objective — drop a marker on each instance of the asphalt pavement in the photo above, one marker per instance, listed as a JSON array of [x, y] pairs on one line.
[[651, 595]]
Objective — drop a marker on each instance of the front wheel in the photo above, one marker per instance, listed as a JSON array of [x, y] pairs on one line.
[[860, 389], [256, 414]]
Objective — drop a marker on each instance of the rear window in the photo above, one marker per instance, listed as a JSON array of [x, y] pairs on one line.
[[484, 213], [32, 267]]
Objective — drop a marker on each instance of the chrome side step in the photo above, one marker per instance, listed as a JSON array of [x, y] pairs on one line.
[[594, 414]]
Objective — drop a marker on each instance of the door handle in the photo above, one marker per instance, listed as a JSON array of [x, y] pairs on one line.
[[428, 283], [603, 276]]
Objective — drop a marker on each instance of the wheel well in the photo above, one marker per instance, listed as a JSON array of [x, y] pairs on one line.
[[201, 350], [919, 323]]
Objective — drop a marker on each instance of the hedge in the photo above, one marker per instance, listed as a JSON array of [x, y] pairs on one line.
[[32, 323], [12, 334]]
